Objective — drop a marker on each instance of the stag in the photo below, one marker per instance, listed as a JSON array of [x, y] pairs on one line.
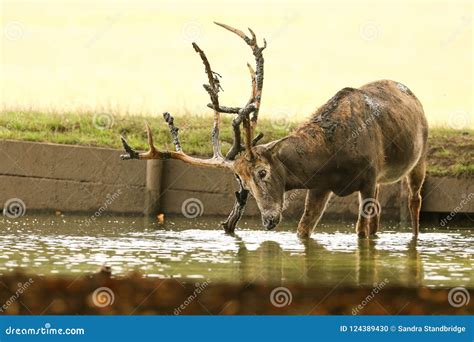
[[359, 139]]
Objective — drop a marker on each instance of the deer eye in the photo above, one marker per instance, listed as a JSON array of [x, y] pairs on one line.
[[262, 174]]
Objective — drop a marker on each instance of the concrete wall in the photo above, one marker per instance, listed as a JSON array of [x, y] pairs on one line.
[[51, 177], [69, 178], [215, 188]]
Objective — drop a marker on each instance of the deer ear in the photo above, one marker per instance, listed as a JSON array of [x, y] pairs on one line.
[[286, 149], [271, 146]]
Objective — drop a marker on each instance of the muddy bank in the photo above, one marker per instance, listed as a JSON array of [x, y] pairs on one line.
[[101, 294]]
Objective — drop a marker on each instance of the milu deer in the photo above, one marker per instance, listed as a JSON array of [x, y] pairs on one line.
[[359, 139]]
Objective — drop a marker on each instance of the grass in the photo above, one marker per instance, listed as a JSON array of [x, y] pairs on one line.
[[451, 151], [104, 130]]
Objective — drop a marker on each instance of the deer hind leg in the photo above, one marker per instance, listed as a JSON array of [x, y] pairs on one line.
[[374, 222], [315, 205], [415, 179], [368, 209]]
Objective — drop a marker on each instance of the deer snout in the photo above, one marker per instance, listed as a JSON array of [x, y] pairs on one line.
[[270, 221]]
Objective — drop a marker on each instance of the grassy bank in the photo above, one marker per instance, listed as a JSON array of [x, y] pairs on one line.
[[103, 130], [451, 152]]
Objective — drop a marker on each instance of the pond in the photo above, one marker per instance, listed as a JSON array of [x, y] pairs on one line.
[[198, 249]]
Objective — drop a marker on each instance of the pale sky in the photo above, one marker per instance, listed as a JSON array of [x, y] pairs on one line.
[[136, 56]]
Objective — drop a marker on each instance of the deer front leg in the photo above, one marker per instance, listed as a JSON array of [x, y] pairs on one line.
[[369, 208], [315, 205], [415, 181], [375, 221]]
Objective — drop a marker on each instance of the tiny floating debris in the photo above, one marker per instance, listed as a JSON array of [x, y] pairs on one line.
[[160, 218]]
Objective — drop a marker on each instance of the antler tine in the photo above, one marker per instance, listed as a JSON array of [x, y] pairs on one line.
[[253, 105], [237, 147], [253, 96], [232, 29], [154, 153], [212, 89], [174, 131], [149, 137], [131, 153], [257, 51], [247, 126], [254, 37], [254, 82]]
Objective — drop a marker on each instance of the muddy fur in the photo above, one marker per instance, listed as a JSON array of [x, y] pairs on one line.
[[357, 140]]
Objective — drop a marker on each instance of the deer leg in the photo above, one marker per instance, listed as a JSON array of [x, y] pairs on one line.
[[368, 209], [315, 204], [375, 221], [235, 215], [415, 181]]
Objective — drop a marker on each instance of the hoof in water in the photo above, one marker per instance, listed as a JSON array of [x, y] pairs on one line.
[[302, 235]]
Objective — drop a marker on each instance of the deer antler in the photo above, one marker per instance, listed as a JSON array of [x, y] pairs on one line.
[[213, 89], [243, 116], [253, 105], [154, 153]]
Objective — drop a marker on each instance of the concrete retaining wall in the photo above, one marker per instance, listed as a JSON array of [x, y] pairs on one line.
[[69, 178], [49, 177]]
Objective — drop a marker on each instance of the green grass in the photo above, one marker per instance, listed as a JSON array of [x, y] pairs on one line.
[[451, 152], [104, 131]]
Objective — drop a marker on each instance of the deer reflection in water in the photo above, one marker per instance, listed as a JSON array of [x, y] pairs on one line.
[[318, 265]]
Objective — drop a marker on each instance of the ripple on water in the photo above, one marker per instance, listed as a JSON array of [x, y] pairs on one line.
[[181, 248]]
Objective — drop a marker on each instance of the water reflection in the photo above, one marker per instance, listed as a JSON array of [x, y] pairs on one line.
[[196, 249]]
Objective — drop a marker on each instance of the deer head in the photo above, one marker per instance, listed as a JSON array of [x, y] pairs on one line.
[[256, 167], [264, 176]]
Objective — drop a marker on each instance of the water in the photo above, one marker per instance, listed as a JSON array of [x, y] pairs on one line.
[[198, 249]]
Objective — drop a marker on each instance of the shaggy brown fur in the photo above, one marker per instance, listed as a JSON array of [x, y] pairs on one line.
[[357, 140]]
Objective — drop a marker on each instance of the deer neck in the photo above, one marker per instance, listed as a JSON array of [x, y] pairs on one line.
[[303, 156]]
